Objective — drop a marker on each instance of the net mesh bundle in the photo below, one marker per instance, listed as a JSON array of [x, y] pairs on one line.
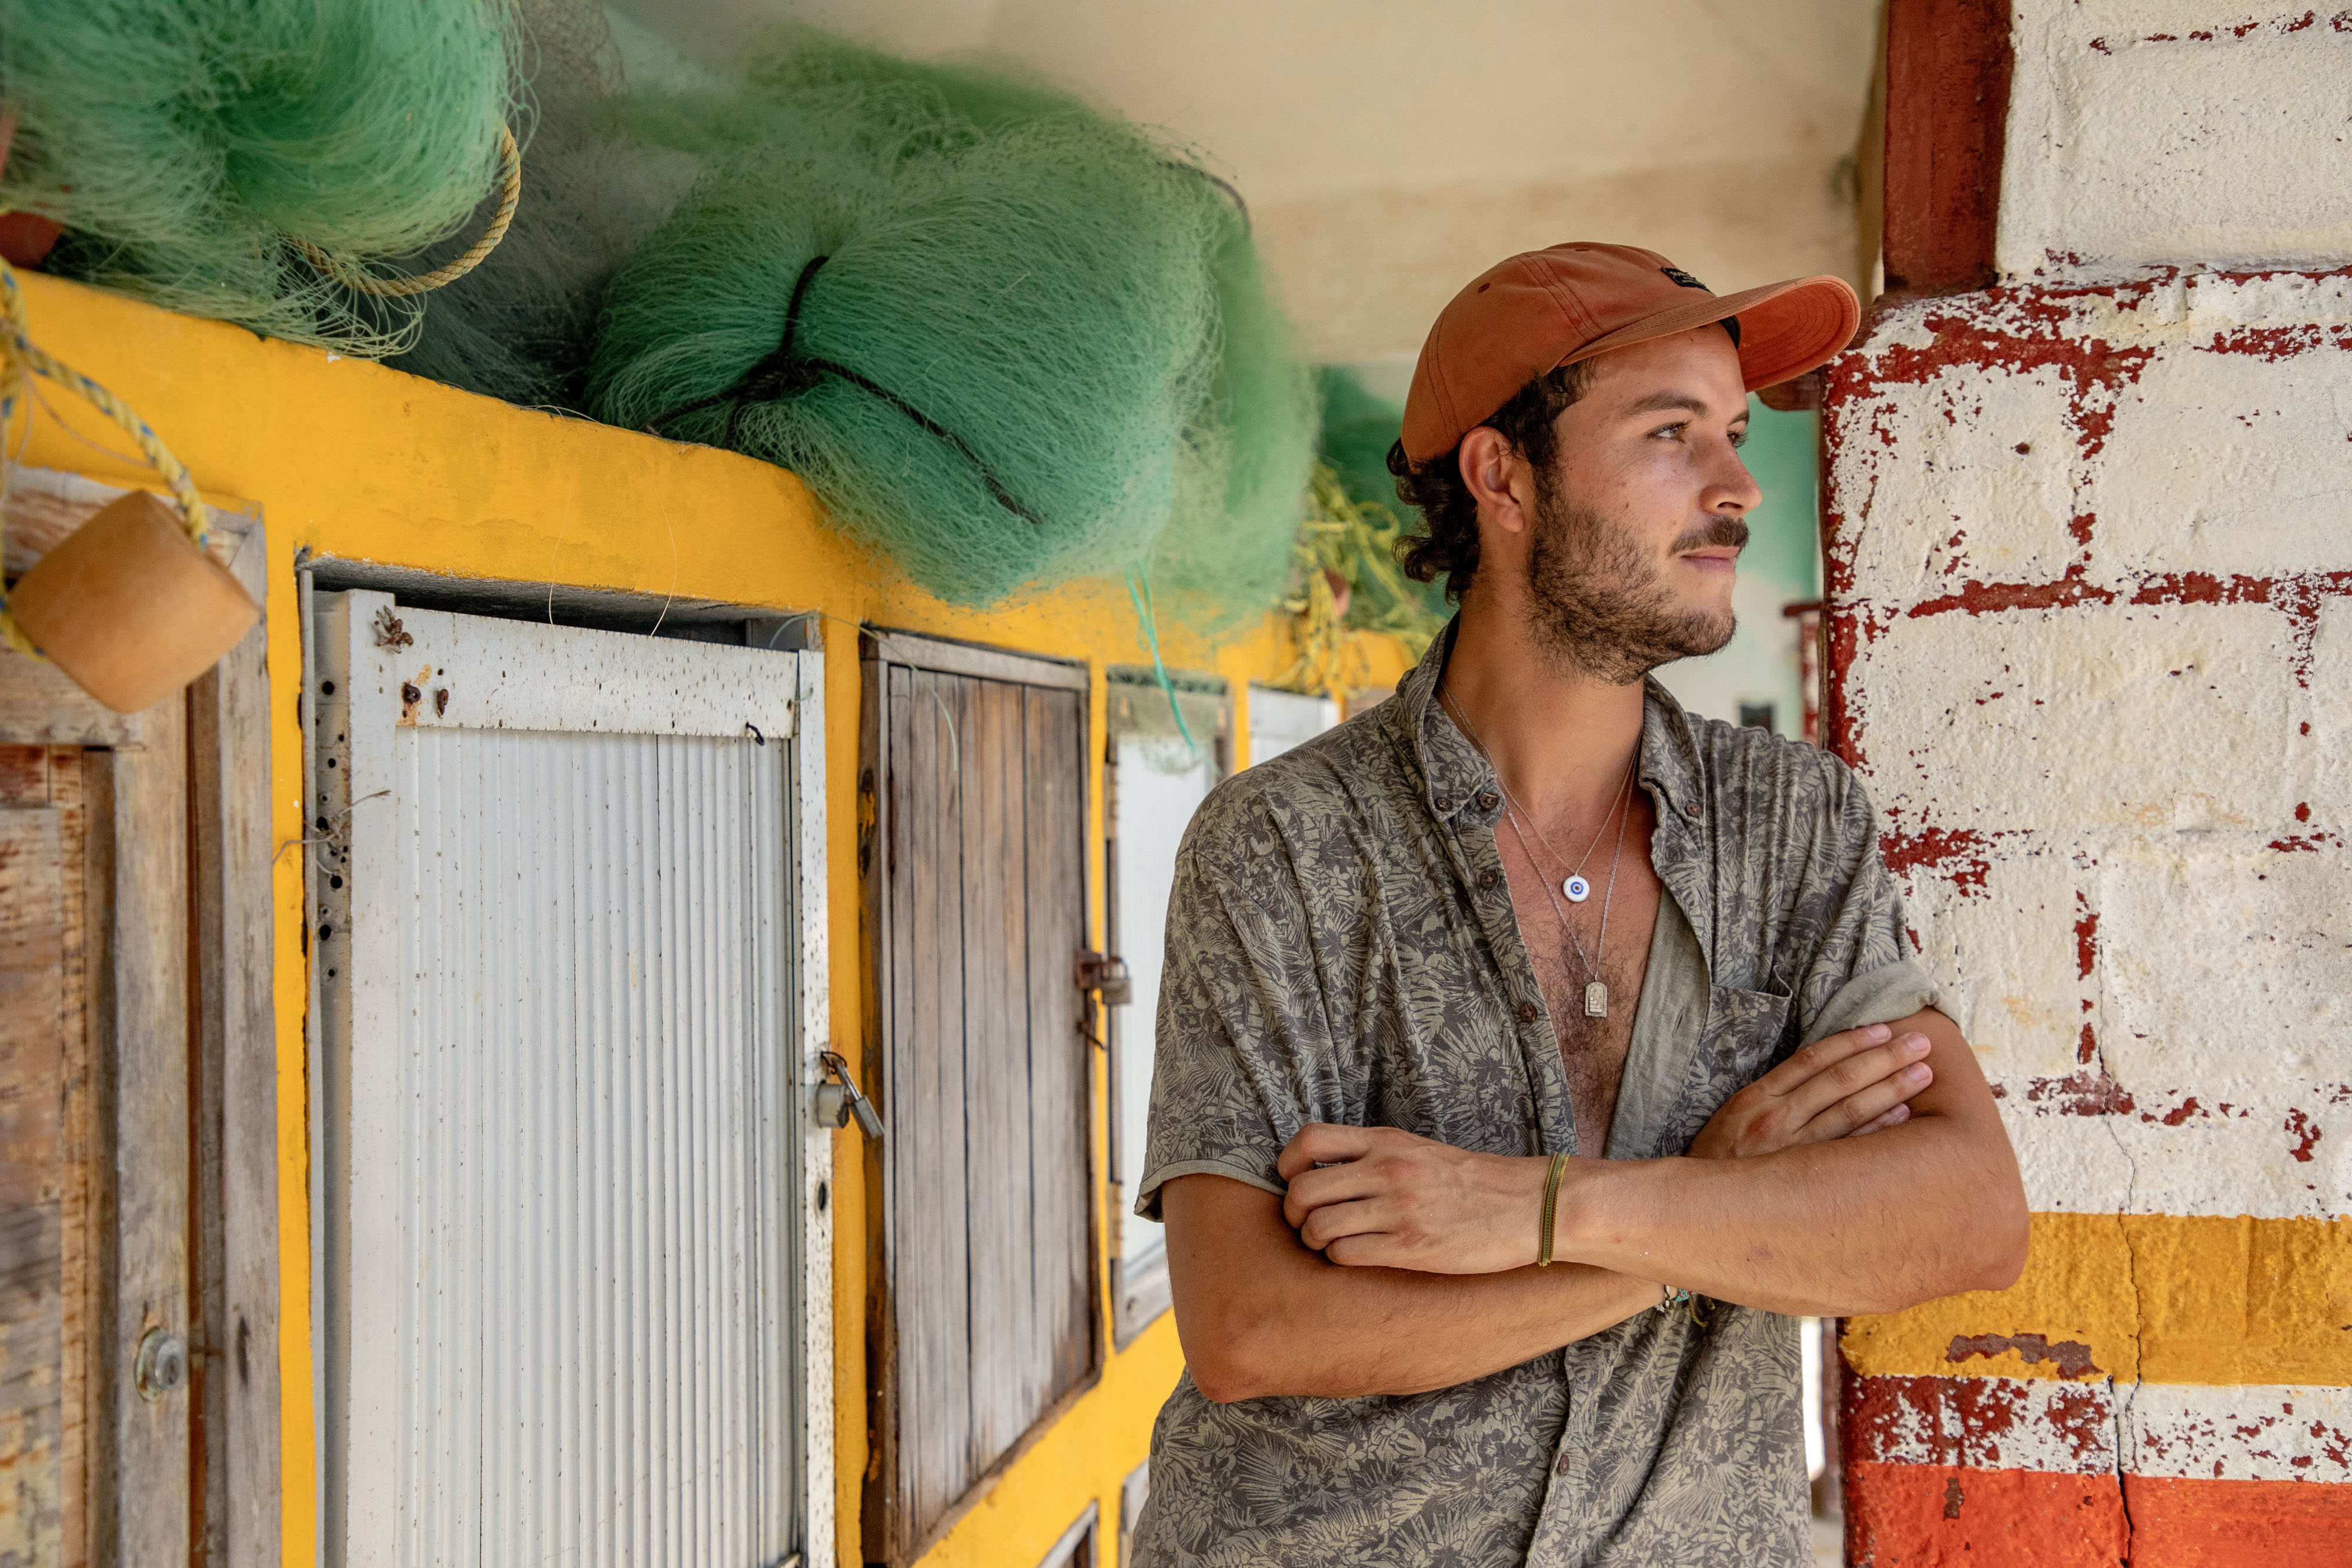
[[185, 144], [1038, 346]]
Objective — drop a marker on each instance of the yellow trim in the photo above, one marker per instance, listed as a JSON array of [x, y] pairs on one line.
[[2155, 1298], [349, 459]]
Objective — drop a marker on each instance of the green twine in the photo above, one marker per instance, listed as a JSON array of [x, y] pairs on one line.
[[1139, 590]]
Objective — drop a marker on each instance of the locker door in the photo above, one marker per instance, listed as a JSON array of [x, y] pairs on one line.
[[568, 1064]]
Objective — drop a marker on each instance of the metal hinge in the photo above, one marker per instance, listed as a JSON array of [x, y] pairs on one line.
[[837, 1102], [1107, 974]]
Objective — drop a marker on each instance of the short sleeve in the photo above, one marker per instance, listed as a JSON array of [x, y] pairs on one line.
[[1240, 1008], [1861, 970]]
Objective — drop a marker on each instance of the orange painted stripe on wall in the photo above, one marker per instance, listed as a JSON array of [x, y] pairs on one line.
[[1933, 1516], [2153, 1296]]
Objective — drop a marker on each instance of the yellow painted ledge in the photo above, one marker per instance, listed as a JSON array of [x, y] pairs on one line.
[[2151, 1298]]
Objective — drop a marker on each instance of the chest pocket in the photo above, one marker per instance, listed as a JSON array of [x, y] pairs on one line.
[[1746, 1034]]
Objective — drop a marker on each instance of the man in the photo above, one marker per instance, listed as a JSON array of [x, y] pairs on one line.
[[1493, 1170]]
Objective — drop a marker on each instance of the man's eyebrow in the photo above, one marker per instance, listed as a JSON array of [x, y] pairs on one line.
[[1662, 402]]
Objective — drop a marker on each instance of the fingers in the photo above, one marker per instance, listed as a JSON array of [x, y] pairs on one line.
[[1318, 1188], [1822, 1054], [1338, 1221], [1323, 1144], [1857, 1072], [1867, 1109], [1894, 1117]]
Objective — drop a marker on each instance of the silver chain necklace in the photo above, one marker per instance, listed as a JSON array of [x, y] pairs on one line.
[[1596, 990], [1573, 885]]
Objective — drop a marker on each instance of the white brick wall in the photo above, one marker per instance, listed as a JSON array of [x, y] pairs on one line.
[[2177, 131]]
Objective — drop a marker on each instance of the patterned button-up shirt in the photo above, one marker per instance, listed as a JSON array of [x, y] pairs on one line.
[[1341, 947]]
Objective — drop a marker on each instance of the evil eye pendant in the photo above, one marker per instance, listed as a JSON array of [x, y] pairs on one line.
[[1577, 888]]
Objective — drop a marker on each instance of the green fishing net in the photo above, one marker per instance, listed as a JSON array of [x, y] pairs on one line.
[[1007, 338], [185, 143]]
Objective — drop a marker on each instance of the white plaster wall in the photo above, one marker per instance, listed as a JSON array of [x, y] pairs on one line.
[[2101, 687], [2177, 131]]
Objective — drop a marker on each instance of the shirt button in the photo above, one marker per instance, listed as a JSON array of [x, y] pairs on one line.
[[1485, 880], [1444, 803], [1487, 802], [1691, 808], [1563, 1466], [1526, 1012]]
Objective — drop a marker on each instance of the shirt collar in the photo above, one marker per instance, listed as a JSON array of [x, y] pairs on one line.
[[1456, 779]]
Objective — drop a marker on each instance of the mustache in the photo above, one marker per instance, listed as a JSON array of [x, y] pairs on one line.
[[1718, 530]]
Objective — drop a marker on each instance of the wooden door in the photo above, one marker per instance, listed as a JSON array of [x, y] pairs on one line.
[[138, 1207], [973, 782]]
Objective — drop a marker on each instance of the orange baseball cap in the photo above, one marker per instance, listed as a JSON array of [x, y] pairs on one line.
[[1545, 308]]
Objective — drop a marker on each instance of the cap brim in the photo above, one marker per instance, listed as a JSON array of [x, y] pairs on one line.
[[1785, 329]]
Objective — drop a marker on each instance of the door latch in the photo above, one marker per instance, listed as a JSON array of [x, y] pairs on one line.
[[1107, 973], [837, 1102]]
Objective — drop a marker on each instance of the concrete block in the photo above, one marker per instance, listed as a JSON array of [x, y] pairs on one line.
[[2232, 458], [2282, 1153], [2171, 133], [1966, 474], [2222, 963], [2084, 719], [2001, 929]]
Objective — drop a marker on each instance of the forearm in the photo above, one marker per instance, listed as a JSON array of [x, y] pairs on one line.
[[1865, 1224], [1260, 1314]]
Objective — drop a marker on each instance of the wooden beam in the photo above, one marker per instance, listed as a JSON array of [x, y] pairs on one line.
[[236, 1385]]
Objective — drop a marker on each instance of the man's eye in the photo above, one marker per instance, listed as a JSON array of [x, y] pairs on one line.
[[1738, 439], [1675, 430]]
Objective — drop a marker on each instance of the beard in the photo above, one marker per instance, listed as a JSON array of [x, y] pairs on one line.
[[1596, 603]]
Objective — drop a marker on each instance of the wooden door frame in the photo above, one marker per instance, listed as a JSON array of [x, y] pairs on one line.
[[178, 800], [879, 647]]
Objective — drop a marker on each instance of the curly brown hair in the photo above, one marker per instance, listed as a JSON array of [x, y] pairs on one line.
[[1447, 544]]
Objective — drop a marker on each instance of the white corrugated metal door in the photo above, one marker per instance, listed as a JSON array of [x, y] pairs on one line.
[[566, 1063]]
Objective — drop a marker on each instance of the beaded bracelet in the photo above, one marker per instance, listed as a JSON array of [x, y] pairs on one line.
[[1671, 1298]]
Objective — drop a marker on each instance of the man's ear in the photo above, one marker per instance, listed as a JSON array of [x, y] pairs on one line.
[[1500, 480]]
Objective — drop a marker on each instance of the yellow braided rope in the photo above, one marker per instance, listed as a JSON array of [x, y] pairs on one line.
[[510, 195], [20, 355]]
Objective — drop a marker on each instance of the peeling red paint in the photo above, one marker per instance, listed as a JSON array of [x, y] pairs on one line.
[[2081, 1094], [2304, 844], [2071, 1357], [2178, 1113], [2086, 936], [2307, 1133], [2087, 1048], [1962, 854]]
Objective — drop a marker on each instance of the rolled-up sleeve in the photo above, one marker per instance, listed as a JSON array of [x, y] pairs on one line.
[[1236, 994], [1861, 970]]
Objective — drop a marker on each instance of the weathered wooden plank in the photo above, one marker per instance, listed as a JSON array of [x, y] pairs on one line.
[[149, 1510], [34, 1490], [1060, 1104], [39, 704], [934, 656], [995, 1084], [237, 1389], [89, 1237], [945, 1417], [32, 1484], [32, 1044]]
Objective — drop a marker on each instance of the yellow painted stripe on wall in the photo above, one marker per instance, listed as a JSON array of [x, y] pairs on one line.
[[2150, 1298]]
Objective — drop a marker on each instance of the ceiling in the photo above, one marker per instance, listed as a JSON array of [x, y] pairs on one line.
[[1392, 150]]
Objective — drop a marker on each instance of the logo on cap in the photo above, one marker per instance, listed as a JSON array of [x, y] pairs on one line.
[[1686, 279]]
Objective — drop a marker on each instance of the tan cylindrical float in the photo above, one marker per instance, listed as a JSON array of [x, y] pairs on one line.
[[130, 608]]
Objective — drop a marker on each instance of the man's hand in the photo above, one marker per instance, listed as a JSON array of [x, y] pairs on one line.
[[1840, 1087], [1378, 1197]]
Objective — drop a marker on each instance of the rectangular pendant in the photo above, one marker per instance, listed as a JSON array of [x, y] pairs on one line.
[[1596, 1000]]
